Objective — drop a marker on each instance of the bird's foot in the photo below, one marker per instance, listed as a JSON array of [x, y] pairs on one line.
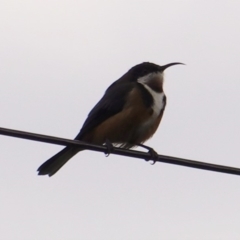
[[109, 146], [152, 152]]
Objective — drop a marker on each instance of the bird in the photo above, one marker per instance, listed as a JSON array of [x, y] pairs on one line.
[[127, 115]]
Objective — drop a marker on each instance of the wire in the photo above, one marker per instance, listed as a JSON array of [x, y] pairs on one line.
[[120, 151]]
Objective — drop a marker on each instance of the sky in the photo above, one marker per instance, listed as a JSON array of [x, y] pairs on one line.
[[56, 60]]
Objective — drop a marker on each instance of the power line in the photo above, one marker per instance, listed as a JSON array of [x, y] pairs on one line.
[[120, 151]]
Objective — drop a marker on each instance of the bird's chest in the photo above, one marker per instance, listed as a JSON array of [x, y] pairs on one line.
[[143, 113], [152, 90], [157, 108]]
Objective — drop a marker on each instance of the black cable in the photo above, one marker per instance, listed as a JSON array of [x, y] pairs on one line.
[[120, 151]]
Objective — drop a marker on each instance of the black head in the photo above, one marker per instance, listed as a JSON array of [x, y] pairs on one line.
[[141, 70], [146, 68]]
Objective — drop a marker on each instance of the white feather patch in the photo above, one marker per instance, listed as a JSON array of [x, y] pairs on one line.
[[145, 79], [158, 104]]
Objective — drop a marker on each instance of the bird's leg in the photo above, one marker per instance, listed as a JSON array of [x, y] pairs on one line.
[[109, 146], [151, 151]]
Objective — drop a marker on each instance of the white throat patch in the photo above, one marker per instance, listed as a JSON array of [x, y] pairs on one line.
[[158, 97], [158, 104]]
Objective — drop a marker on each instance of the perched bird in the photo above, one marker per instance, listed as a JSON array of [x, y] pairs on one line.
[[127, 115]]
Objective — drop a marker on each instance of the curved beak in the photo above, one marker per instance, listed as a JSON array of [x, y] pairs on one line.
[[162, 68]]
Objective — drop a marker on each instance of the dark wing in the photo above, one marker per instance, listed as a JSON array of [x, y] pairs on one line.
[[111, 103]]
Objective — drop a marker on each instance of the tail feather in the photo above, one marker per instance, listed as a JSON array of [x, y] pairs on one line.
[[51, 166]]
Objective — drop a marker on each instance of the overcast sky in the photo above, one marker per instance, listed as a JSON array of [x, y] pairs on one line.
[[56, 60]]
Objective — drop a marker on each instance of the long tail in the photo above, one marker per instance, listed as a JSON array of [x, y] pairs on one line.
[[52, 165]]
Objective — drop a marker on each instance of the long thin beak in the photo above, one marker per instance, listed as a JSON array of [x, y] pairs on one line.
[[169, 65]]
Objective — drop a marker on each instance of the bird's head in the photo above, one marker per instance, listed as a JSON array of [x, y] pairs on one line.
[[149, 73]]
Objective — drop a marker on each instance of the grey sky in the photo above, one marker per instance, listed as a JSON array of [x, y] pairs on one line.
[[56, 60]]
